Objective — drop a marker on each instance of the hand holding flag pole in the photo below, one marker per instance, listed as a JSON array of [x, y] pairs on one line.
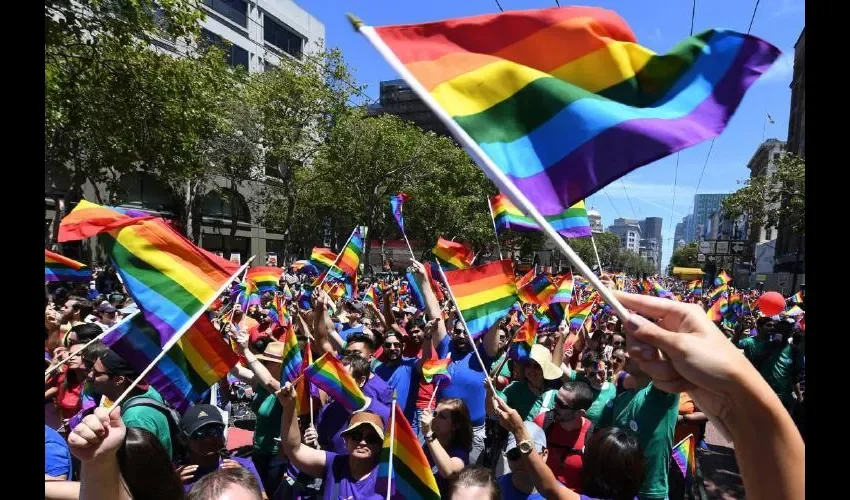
[[179, 334], [90, 342]]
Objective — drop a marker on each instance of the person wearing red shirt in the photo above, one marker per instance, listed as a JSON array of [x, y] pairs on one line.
[[265, 328], [70, 384], [566, 427]]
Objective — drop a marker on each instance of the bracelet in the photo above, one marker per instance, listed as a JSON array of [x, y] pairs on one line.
[[430, 437], [253, 360]]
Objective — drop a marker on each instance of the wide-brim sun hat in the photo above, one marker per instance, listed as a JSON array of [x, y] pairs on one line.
[[543, 357], [273, 352], [365, 418]]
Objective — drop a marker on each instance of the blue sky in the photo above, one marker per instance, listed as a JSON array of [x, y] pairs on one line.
[[658, 25]]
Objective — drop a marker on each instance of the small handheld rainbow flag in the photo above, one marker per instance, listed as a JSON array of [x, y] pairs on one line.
[[797, 298], [370, 295], [436, 370], [483, 294], [717, 310], [794, 310], [405, 470], [415, 292], [349, 259], [717, 292], [571, 223], [266, 278], [564, 295], [396, 204], [661, 291], [453, 255], [722, 279], [578, 314], [291, 359], [520, 348], [302, 387], [330, 376], [526, 278], [287, 293], [539, 291], [695, 288], [322, 258], [683, 454], [60, 268]]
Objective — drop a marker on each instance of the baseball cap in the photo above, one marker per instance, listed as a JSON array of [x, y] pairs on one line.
[[365, 418], [199, 416], [355, 304], [106, 307], [537, 436], [115, 364]]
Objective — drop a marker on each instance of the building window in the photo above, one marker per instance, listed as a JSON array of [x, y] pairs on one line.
[[144, 192], [233, 54], [219, 205], [235, 10], [768, 233], [776, 156], [279, 36]]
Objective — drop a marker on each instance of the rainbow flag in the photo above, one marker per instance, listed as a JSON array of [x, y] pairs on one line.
[[169, 278], [514, 82], [199, 359], [717, 292], [483, 294], [539, 291], [249, 294], [797, 298], [322, 258], [564, 295], [370, 295], [735, 306], [279, 311], [551, 314], [571, 223], [526, 278], [330, 376], [291, 359], [453, 255], [432, 269], [287, 293], [396, 204], [436, 370], [520, 348], [722, 279], [695, 288], [415, 292], [302, 388], [266, 278], [578, 314], [349, 259], [717, 310], [661, 291], [412, 478], [794, 310], [60, 268], [684, 455]]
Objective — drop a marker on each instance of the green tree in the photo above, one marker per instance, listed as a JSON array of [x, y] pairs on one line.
[[768, 200], [686, 256]]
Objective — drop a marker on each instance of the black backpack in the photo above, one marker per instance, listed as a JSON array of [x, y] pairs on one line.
[[173, 418]]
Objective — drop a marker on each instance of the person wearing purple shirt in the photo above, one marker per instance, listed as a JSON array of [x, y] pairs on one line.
[[349, 475], [360, 345], [203, 426]]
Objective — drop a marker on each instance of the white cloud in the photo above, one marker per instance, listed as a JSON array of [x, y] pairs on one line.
[[781, 71], [787, 7]]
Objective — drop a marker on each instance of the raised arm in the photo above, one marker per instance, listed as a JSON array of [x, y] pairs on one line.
[[432, 305], [95, 442], [323, 328], [259, 374], [446, 465], [308, 460]]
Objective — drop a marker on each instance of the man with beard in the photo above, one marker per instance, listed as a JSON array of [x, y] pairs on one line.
[[401, 373], [74, 311]]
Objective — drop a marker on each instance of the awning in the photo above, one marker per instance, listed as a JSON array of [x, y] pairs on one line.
[[688, 272]]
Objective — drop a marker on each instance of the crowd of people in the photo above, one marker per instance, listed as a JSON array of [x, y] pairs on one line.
[[590, 413]]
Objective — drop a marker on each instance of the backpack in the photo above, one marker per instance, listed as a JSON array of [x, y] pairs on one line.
[[548, 420], [171, 415]]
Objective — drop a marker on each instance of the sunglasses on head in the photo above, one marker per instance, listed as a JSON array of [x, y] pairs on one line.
[[206, 431], [358, 435]]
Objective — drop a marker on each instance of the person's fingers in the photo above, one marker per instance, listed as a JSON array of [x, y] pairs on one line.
[[87, 433], [645, 331], [659, 370], [76, 441]]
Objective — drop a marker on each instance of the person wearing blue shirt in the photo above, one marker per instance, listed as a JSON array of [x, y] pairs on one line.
[[402, 375], [519, 484], [57, 456]]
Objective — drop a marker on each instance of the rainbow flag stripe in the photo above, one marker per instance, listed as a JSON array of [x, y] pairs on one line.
[[722, 279], [719, 291], [328, 374], [60, 268], [520, 348], [396, 204], [483, 294], [526, 278], [797, 298], [436, 370], [169, 278], [412, 478], [370, 295], [322, 258], [571, 223], [539, 291], [717, 310], [415, 292], [578, 314], [684, 454], [515, 81], [266, 278], [453, 255], [199, 359], [349, 260], [695, 288], [291, 359], [303, 388], [794, 310], [564, 295]]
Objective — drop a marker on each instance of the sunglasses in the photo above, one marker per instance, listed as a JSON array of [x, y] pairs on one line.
[[563, 406], [215, 431], [370, 437], [389, 345]]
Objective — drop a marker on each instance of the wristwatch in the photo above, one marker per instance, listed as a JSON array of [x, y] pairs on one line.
[[430, 437], [525, 446]]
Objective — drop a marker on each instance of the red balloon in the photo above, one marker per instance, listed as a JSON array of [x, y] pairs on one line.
[[771, 303]]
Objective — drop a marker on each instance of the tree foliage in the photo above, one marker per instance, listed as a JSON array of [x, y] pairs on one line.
[[686, 257], [768, 200]]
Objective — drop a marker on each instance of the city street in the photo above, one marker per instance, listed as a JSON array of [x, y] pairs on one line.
[[721, 478]]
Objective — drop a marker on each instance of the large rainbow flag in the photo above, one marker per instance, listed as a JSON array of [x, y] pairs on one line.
[[571, 223], [348, 264], [412, 478], [169, 278], [199, 359], [322, 258], [564, 100], [266, 278], [60, 268], [483, 294]]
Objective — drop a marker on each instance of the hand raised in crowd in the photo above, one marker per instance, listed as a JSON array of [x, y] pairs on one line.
[[286, 394], [229, 463], [241, 339], [418, 267], [98, 436], [425, 421], [311, 437], [187, 473]]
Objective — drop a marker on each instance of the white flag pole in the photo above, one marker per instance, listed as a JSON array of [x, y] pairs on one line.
[[493, 219], [179, 334], [90, 342], [490, 169], [392, 442], [596, 252]]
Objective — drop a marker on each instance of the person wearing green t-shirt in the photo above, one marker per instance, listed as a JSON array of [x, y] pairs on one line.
[[779, 362], [530, 397], [595, 373], [111, 375], [263, 374], [651, 414]]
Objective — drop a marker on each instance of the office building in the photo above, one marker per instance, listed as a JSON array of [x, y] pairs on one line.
[[704, 206], [397, 98], [628, 230]]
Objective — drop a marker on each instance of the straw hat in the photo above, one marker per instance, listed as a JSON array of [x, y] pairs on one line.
[[273, 352], [544, 358], [365, 418]]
